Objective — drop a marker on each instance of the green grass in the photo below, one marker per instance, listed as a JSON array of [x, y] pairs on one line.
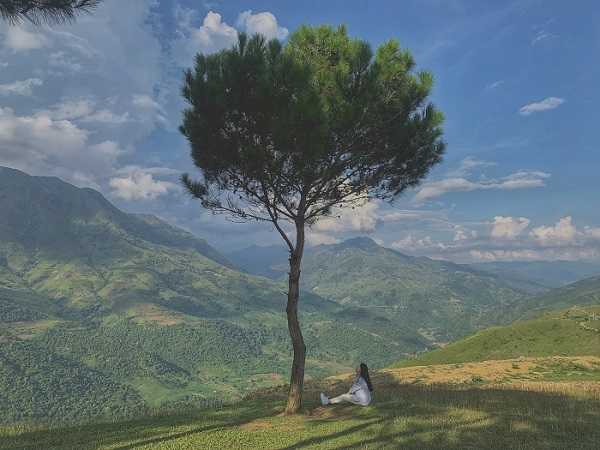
[[402, 416], [563, 333]]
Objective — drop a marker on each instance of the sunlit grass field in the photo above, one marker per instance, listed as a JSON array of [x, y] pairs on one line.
[[436, 408]]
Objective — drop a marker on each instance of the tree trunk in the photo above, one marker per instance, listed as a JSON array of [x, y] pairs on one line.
[[294, 402]]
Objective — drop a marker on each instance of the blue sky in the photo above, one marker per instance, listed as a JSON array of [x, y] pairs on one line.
[[97, 103]]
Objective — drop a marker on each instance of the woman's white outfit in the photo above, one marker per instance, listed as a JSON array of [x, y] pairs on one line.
[[359, 394]]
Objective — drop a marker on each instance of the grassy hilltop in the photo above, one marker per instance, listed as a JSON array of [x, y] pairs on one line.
[[405, 414]]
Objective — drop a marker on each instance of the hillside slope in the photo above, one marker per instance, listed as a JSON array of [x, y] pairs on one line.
[[583, 292], [572, 332], [146, 309], [438, 300]]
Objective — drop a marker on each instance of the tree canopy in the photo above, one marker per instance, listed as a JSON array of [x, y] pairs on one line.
[[321, 119]]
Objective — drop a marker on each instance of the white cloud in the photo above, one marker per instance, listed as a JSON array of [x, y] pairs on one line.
[[84, 110], [506, 255], [517, 180], [543, 105], [316, 238], [467, 166], [140, 184], [71, 109], [212, 36], [145, 102], [19, 39], [412, 244], [160, 171], [263, 23], [508, 227], [463, 234], [215, 34], [107, 117], [540, 36], [150, 107], [41, 145], [505, 238], [591, 233], [61, 60], [495, 84], [361, 217], [563, 232], [22, 87]]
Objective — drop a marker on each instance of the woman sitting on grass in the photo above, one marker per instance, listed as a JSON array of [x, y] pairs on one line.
[[359, 393]]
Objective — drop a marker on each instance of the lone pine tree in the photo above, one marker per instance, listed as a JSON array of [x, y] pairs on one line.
[[289, 133]]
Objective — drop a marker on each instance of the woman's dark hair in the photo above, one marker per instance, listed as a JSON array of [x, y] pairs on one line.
[[364, 373]]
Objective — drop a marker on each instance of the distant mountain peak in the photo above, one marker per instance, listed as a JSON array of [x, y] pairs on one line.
[[362, 242]]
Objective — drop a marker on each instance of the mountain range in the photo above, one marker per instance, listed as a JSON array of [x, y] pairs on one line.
[[106, 313]]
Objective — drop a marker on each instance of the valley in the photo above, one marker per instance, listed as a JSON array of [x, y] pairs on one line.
[[110, 314]]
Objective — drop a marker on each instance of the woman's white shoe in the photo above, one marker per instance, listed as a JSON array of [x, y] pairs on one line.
[[324, 399]]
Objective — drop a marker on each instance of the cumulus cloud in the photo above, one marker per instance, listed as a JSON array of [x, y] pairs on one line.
[[563, 232], [517, 180], [505, 239], [212, 36], [508, 227], [361, 217], [22, 87], [140, 184], [84, 110], [543, 105], [215, 34], [41, 145], [463, 234], [263, 23]]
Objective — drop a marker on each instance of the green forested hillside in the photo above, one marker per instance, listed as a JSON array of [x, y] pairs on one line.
[[572, 332], [583, 292], [438, 299], [90, 294]]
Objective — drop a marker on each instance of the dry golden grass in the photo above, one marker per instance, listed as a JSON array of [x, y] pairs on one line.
[[503, 371]]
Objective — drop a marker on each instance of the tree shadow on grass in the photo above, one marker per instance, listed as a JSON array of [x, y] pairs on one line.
[[412, 416], [408, 416], [139, 432]]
